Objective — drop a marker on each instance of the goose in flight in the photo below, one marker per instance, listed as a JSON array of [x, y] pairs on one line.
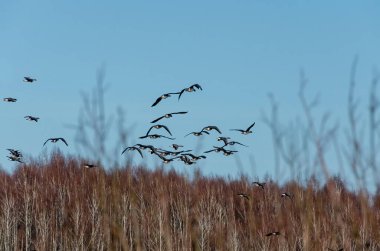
[[273, 234], [194, 157], [231, 143], [243, 195], [133, 148], [168, 115], [165, 160], [14, 158], [55, 140], [155, 136], [258, 184], [197, 133], [15, 153], [159, 127], [175, 146], [224, 139], [192, 88], [246, 131], [31, 118], [286, 195], [29, 79], [209, 128], [164, 96], [88, 166], [10, 99]]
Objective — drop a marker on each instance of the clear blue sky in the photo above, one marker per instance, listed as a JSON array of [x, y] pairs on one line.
[[238, 52]]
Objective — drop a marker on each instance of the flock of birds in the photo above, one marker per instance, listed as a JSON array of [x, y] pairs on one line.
[[16, 155], [186, 156]]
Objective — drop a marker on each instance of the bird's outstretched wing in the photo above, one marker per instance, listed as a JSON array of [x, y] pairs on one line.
[[178, 112], [167, 129], [249, 128], [157, 119], [64, 141], [157, 101]]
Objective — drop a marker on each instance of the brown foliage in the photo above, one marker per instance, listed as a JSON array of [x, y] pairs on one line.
[[59, 205]]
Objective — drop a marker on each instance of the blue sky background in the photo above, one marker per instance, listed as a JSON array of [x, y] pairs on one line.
[[238, 52]]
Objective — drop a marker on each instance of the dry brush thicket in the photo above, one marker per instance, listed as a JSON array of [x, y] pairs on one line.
[[58, 205]]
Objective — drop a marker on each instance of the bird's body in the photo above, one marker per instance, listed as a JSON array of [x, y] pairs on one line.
[[163, 96], [286, 195], [10, 99], [197, 133], [209, 128], [155, 136], [15, 153], [159, 127], [258, 184], [29, 79], [168, 115], [243, 195], [133, 148], [175, 146], [55, 140], [231, 143], [224, 139], [194, 157], [31, 118], [273, 234], [14, 158], [246, 131], [88, 166], [192, 88]]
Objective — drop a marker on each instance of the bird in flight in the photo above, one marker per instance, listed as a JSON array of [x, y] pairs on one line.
[[286, 195], [10, 99], [231, 143], [168, 115], [243, 195], [159, 127], [197, 133], [258, 184], [55, 140], [224, 139], [14, 158], [246, 131], [88, 166], [209, 128], [273, 234], [164, 96], [15, 153], [31, 118], [175, 146], [192, 88], [155, 136], [29, 79], [133, 148], [194, 157]]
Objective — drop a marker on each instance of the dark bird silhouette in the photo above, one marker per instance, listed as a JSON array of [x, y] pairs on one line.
[[231, 143], [168, 115], [286, 195], [164, 96], [194, 157], [55, 140], [14, 158], [133, 148], [243, 195], [246, 131], [197, 133], [15, 153], [258, 184], [165, 160], [209, 128], [175, 146], [224, 139], [10, 99], [159, 127], [29, 79], [216, 149], [31, 118], [155, 136], [273, 234], [192, 88], [150, 148], [86, 165]]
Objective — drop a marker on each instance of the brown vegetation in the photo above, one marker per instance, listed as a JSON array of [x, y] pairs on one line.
[[59, 205]]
